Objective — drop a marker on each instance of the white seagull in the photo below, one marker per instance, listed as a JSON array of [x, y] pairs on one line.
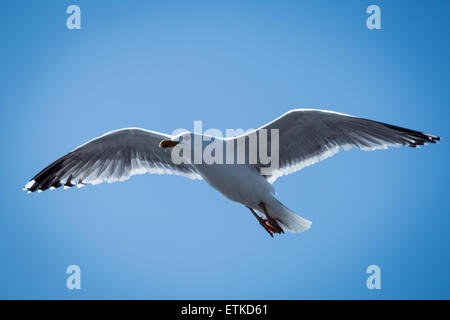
[[305, 136]]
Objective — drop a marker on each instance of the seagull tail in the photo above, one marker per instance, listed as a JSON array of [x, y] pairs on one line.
[[289, 221]]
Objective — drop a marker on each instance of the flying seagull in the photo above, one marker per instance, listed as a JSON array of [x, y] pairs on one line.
[[304, 137]]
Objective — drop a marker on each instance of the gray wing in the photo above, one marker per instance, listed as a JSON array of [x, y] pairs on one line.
[[307, 136], [114, 156]]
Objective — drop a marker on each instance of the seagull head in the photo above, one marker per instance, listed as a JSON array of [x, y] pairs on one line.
[[170, 143]]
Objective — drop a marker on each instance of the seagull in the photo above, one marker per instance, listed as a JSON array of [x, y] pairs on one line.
[[303, 137]]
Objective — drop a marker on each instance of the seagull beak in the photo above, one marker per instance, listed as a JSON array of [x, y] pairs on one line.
[[167, 143]]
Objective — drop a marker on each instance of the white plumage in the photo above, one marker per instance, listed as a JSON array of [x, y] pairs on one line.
[[306, 136]]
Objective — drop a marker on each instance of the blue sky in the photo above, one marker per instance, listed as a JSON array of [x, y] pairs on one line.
[[232, 64]]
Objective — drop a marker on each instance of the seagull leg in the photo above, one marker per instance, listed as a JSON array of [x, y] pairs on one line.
[[273, 222], [265, 223]]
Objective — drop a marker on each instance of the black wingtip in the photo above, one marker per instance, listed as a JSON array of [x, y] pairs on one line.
[[419, 138]]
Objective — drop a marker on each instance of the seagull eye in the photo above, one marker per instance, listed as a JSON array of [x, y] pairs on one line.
[[186, 138]]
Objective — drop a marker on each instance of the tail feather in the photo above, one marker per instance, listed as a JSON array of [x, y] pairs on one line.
[[288, 220]]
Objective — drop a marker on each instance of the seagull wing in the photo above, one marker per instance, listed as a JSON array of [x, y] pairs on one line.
[[307, 136], [114, 156]]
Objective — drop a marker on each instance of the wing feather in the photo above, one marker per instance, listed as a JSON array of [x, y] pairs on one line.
[[307, 136], [114, 156]]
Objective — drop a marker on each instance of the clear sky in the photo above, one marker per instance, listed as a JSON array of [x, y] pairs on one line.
[[161, 65]]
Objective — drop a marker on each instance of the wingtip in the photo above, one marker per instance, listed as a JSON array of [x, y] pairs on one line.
[[433, 138], [28, 186]]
